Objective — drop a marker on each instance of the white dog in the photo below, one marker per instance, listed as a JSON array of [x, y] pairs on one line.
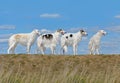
[[94, 43], [49, 41], [72, 39], [25, 39]]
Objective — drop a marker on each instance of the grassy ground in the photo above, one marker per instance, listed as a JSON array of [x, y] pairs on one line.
[[59, 69]]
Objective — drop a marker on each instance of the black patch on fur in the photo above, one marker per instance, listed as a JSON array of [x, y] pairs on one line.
[[71, 35], [82, 31], [47, 36], [66, 37]]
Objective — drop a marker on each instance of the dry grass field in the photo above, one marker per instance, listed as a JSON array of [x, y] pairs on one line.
[[24, 68]]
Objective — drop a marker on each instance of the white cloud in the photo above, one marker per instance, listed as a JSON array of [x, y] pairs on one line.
[[109, 44], [90, 29], [110, 47], [5, 35], [94, 29], [117, 16], [45, 31], [6, 27], [114, 28], [3, 40], [46, 15], [74, 29]]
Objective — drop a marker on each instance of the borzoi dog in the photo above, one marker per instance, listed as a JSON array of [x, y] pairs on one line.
[[72, 39], [94, 43], [49, 41], [25, 39]]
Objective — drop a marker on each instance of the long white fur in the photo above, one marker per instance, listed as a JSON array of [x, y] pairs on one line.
[[42, 44], [25, 39], [94, 43], [71, 41]]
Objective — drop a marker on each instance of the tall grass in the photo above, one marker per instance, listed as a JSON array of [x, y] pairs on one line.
[[59, 69]]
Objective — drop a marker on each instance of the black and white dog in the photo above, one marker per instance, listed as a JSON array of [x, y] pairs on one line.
[[72, 39], [49, 41]]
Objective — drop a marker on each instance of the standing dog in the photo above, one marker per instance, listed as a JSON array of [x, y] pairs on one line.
[[25, 39], [94, 43], [49, 41], [72, 39]]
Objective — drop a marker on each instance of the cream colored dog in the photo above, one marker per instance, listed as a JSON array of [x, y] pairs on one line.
[[94, 43], [25, 39]]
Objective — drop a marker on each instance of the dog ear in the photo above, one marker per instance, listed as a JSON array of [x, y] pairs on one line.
[[59, 30]]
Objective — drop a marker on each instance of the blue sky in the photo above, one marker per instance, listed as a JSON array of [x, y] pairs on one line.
[[25, 15]]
